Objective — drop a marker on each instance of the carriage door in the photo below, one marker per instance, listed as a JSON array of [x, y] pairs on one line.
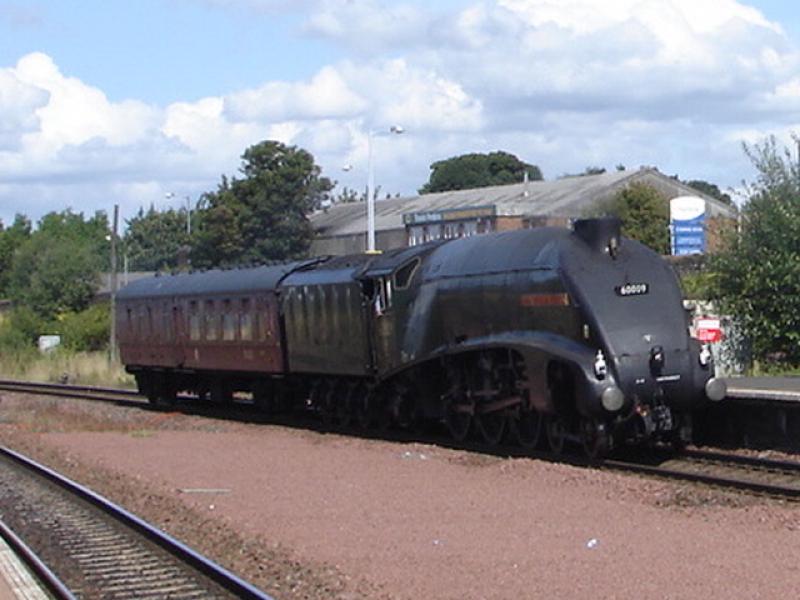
[[179, 332]]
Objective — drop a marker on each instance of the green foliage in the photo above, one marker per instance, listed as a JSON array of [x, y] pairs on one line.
[[154, 240], [348, 196], [263, 216], [478, 170], [710, 189], [56, 268], [758, 273], [591, 170], [10, 240], [697, 285], [87, 330], [54, 275], [20, 329], [644, 213]]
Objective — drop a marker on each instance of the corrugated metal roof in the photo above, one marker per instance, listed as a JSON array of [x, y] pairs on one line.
[[568, 197]]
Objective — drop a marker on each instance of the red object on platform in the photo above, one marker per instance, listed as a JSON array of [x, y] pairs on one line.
[[708, 329]]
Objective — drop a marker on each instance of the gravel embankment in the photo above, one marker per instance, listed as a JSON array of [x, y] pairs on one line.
[[310, 515]]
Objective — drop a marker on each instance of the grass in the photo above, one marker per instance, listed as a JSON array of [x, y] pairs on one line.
[[87, 368]]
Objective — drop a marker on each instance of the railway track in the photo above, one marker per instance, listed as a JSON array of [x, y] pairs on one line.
[[777, 478], [85, 392], [96, 549], [723, 470]]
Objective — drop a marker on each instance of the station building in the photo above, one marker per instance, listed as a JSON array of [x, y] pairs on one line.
[[401, 222]]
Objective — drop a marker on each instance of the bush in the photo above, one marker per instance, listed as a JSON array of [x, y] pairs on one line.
[[21, 329], [757, 274], [86, 331]]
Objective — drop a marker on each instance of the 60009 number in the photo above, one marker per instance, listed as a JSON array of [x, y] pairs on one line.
[[632, 289]]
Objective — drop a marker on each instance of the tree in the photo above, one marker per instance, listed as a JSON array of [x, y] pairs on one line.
[[10, 240], [57, 268], [710, 189], [591, 170], [155, 239], [644, 213], [263, 216], [478, 170], [757, 274]]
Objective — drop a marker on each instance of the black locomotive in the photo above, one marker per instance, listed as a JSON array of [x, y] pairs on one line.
[[538, 333]]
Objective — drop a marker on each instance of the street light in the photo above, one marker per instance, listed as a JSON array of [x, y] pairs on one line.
[[169, 196], [397, 130]]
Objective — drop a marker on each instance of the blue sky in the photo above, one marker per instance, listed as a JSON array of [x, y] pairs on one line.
[[104, 102]]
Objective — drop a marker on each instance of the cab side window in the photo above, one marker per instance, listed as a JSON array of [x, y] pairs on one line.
[[404, 275]]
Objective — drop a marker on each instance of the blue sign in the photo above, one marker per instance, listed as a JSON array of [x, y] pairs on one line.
[[687, 225]]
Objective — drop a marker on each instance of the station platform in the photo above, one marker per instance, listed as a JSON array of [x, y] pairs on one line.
[[778, 389], [16, 581]]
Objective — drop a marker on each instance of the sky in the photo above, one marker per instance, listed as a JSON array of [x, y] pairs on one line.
[[151, 102]]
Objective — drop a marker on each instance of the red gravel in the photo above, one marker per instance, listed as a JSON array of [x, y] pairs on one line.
[[351, 518]]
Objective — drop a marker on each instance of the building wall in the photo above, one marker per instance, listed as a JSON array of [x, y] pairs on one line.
[[508, 223], [357, 243]]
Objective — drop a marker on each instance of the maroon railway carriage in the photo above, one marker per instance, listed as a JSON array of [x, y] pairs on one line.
[[179, 332]]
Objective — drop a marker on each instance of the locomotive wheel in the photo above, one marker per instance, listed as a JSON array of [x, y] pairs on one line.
[[556, 433], [595, 438], [491, 426], [526, 428], [404, 407], [458, 423]]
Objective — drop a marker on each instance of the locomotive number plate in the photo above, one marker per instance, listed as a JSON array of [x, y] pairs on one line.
[[632, 289]]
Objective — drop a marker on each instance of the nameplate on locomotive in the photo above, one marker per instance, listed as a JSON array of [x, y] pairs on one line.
[[632, 289]]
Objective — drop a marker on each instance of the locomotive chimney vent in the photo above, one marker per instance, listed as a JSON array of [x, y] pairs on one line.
[[601, 234]]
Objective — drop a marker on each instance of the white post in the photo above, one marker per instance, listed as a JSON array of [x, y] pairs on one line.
[[370, 198], [397, 130]]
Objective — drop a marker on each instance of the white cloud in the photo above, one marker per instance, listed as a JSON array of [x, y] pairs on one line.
[[370, 24], [76, 112], [19, 102], [326, 96]]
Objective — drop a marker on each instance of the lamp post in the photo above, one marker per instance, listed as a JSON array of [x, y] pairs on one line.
[[397, 130], [112, 342]]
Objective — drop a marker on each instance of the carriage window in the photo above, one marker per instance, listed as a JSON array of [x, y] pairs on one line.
[[211, 321], [404, 274], [194, 322], [228, 322], [246, 322], [131, 331]]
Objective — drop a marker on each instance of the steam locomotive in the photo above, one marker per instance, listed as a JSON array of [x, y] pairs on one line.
[[535, 335]]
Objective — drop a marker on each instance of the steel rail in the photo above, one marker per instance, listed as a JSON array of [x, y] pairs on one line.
[[753, 461], [62, 389], [40, 570], [214, 572], [747, 484]]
